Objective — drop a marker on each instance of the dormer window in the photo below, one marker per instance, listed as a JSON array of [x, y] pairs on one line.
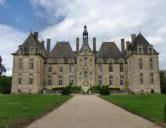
[[21, 51], [150, 50], [32, 50], [140, 50]]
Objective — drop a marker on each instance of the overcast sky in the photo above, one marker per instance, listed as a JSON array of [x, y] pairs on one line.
[[63, 20]]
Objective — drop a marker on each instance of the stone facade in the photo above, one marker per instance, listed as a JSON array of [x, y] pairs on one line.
[[134, 68]]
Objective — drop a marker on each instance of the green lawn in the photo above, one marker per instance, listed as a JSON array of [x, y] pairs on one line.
[[151, 106], [18, 108]]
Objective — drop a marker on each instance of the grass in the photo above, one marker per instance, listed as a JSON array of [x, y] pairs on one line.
[[151, 106], [18, 108]]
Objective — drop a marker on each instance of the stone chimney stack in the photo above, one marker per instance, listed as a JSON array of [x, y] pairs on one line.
[[94, 44], [127, 44], [77, 44], [122, 46], [36, 35], [42, 43], [48, 45], [133, 37]]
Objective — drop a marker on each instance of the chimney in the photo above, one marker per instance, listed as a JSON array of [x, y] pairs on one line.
[[36, 35], [127, 44], [42, 43], [77, 44], [133, 37], [122, 46], [48, 44], [94, 44]]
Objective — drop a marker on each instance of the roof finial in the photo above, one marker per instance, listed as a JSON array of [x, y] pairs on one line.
[[140, 28]]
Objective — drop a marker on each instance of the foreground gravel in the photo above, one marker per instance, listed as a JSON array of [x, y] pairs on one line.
[[90, 111]]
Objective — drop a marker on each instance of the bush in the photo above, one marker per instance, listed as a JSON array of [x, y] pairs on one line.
[[66, 90], [5, 84], [104, 90]]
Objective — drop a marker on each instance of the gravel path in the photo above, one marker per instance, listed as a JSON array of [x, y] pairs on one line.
[[90, 111]]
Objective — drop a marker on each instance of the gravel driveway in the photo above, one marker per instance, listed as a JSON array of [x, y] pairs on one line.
[[90, 111]]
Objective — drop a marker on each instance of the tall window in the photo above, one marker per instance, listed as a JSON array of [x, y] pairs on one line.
[[30, 78], [71, 67], [60, 67], [49, 80], [140, 64], [110, 67], [100, 80], [71, 80], [19, 79], [121, 67], [151, 63], [20, 64], [31, 64], [141, 78], [99, 67], [60, 82], [151, 78], [85, 61], [121, 80], [49, 68], [111, 80], [85, 75]]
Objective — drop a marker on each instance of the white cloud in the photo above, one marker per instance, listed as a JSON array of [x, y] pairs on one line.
[[10, 40], [2, 2], [106, 20]]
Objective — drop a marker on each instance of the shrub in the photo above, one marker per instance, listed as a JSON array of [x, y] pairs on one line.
[[66, 90], [5, 84], [104, 90]]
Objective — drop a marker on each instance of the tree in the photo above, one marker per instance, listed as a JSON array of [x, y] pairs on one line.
[[163, 81], [2, 67]]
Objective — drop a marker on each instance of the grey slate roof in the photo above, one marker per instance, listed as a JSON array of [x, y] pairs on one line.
[[62, 50], [109, 50], [140, 40]]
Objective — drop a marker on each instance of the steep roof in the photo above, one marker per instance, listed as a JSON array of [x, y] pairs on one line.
[[109, 50], [62, 50], [140, 41]]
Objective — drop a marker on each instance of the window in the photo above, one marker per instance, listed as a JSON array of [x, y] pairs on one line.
[[71, 67], [85, 75], [31, 63], [151, 63], [140, 64], [121, 67], [150, 50], [121, 80], [111, 80], [71, 80], [31, 78], [32, 50], [21, 51], [151, 78], [100, 80], [60, 68], [19, 79], [140, 50], [99, 67], [49, 68], [85, 61], [110, 67], [49, 80], [60, 82], [141, 78], [20, 64]]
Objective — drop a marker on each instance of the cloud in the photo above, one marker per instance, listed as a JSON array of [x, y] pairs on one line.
[[10, 40], [2, 2], [106, 20]]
